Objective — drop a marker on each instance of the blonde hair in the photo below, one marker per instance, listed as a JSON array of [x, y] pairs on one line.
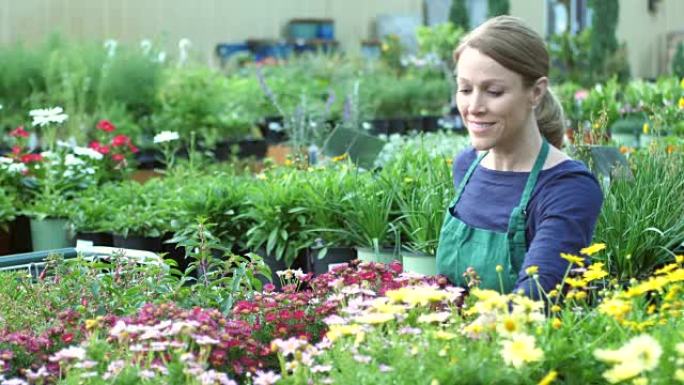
[[514, 45]]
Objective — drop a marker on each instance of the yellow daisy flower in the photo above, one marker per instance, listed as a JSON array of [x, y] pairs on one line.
[[548, 378], [593, 249], [519, 350], [573, 259]]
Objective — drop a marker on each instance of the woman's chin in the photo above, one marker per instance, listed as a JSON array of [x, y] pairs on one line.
[[480, 143]]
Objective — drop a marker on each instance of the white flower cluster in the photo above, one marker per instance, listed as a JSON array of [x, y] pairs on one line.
[[165, 136], [43, 117]]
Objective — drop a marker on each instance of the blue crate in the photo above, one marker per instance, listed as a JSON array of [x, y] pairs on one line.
[[225, 50]]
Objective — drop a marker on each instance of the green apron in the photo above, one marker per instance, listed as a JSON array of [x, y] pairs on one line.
[[462, 246]]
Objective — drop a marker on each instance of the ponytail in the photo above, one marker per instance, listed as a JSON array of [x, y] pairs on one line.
[[550, 119]]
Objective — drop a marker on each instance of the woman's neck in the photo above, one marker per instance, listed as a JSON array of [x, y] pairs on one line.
[[518, 155]]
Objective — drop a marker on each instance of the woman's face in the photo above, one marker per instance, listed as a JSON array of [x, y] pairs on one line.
[[495, 105]]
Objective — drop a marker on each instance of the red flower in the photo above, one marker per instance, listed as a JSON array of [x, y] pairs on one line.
[[132, 148], [19, 132], [30, 158], [95, 145], [121, 140], [16, 150], [298, 314], [285, 315], [118, 157], [68, 337], [105, 125]]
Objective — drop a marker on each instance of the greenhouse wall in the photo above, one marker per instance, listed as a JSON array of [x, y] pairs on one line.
[[209, 22]]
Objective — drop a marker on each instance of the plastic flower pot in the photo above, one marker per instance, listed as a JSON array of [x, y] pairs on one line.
[[421, 263], [20, 230], [383, 255], [335, 256], [5, 242], [97, 238], [135, 242], [50, 233]]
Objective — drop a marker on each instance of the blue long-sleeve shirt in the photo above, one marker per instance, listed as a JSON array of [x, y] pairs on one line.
[[562, 212]]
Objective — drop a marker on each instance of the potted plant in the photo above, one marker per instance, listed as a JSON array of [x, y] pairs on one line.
[[218, 199], [422, 204], [322, 187], [368, 218], [141, 214], [48, 213], [90, 215], [279, 219]]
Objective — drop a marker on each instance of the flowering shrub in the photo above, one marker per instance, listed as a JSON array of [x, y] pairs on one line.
[[418, 334], [117, 150]]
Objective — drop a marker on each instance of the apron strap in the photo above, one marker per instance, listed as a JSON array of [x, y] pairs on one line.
[[534, 174], [466, 178]]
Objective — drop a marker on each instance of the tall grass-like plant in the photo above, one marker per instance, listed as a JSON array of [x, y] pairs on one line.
[[424, 188], [73, 73], [367, 212], [642, 221]]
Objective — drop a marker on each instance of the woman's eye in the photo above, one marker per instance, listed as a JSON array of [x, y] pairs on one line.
[[464, 90], [495, 92]]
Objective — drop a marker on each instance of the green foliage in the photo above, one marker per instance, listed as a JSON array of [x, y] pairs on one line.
[[278, 211], [423, 194], [458, 14], [139, 210], [90, 212], [131, 79], [498, 7], [678, 61], [199, 99], [73, 74], [440, 40], [7, 209], [220, 198], [637, 221], [570, 57], [21, 76], [606, 56], [218, 280], [367, 212]]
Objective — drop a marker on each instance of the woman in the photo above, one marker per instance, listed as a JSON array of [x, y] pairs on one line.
[[520, 201]]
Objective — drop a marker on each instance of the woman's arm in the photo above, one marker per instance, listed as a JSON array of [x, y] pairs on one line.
[[562, 221]]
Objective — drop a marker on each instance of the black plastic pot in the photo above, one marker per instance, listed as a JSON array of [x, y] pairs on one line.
[[20, 232], [98, 239], [5, 242], [245, 148], [379, 127], [430, 123], [397, 126], [272, 136], [149, 159], [414, 124], [334, 257], [153, 244]]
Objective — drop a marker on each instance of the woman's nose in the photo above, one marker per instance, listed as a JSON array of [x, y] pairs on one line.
[[477, 103]]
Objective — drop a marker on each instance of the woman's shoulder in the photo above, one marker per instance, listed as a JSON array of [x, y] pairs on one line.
[[571, 180], [465, 158]]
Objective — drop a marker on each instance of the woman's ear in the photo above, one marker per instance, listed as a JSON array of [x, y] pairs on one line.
[[538, 91]]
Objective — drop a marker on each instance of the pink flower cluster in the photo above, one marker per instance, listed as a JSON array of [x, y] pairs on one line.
[[26, 349]]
